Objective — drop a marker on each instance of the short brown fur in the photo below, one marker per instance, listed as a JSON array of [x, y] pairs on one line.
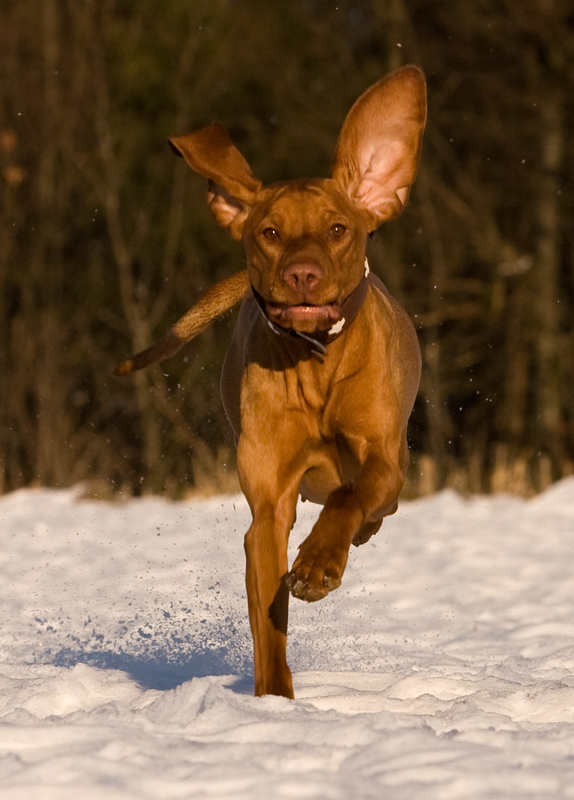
[[319, 404]]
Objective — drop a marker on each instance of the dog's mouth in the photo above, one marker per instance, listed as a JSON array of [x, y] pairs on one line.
[[304, 317]]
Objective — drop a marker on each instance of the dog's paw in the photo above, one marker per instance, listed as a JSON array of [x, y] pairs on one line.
[[313, 576], [310, 591]]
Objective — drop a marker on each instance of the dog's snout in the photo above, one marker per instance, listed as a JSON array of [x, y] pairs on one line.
[[302, 276]]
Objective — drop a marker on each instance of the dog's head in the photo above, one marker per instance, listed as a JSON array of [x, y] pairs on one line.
[[305, 239]]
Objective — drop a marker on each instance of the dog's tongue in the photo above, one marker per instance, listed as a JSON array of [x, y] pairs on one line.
[[304, 318]]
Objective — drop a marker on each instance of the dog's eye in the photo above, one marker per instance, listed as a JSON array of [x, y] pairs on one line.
[[271, 233], [337, 230]]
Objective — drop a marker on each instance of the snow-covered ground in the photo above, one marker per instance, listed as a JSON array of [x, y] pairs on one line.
[[442, 668]]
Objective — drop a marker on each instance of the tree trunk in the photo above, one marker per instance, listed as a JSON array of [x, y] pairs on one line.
[[547, 274]]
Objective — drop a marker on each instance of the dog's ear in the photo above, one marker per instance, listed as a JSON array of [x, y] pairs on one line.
[[232, 189], [379, 146]]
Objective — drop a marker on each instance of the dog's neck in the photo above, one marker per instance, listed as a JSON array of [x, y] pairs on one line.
[[320, 339]]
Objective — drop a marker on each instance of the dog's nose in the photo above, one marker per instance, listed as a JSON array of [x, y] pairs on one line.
[[302, 276]]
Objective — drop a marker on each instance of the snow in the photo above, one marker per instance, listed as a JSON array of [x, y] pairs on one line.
[[442, 668]]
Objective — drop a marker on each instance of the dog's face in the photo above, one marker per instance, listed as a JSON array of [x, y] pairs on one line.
[[305, 245], [305, 239]]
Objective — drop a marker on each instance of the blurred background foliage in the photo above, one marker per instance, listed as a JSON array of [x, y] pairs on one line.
[[105, 239]]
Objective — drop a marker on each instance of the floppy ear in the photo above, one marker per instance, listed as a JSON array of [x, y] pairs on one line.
[[379, 146], [232, 188]]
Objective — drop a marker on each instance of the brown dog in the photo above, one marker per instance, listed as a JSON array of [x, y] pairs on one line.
[[324, 365]]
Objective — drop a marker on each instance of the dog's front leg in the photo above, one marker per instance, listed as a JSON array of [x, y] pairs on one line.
[[272, 496], [268, 600], [352, 513]]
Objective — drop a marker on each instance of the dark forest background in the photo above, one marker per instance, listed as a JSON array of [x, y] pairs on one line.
[[105, 239]]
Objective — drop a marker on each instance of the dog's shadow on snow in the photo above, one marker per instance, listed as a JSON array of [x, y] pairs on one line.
[[159, 671]]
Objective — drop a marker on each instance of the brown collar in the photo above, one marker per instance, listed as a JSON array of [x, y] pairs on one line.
[[321, 339]]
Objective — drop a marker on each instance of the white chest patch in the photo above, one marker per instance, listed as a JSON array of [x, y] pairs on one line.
[[337, 327]]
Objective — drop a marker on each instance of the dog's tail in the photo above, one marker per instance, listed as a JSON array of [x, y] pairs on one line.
[[220, 298]]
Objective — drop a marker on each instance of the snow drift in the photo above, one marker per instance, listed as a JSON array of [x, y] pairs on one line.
[[442, 667]]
